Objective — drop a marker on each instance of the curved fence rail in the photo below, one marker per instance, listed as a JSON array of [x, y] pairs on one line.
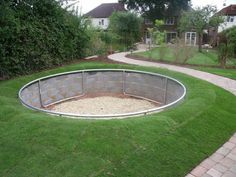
[[53, 89]]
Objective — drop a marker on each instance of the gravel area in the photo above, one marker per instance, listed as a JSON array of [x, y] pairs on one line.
[[103, 105]]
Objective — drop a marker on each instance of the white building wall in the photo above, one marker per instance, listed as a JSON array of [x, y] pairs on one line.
[[102, 23], [227, 24]]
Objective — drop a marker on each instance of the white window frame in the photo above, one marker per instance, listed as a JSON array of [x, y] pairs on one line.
[[190, 41], [101, 22], [230, 19]]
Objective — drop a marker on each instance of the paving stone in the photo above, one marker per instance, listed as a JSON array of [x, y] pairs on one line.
[[189, 175], [224, 151], [232, 156], [206, 175], [227, 162], [229, 174], [208, 163], [229, 145], [214, 173], [198, 171], [233, 151], [219, 167], [233, 168], [232, 140], [217, 157]]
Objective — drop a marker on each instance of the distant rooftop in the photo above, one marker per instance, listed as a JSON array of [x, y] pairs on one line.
[[229, 10], [105, 10]]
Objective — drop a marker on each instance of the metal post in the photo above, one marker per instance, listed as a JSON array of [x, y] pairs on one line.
[[82, 82], [40, 96], [165, 94], [123, 78]]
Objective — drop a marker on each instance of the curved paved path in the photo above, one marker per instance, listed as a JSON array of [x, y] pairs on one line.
[[226, 83], [223, 162]]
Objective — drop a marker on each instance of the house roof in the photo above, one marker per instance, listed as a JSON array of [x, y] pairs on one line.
[[105, 10], [229, 10]]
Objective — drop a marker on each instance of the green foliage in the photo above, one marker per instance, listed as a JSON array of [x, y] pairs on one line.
[[200, 19], [231, 37], [108, 37], [157, 36], [36, 35], [127, 26], [224, 52], [227, 46], [157, 9], [182, 52], [97, 45]]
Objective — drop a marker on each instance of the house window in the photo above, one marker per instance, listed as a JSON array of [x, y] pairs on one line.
[[147, 22], [190, 38], [170, 21], [101, 22], [230, 19], [170, 37]]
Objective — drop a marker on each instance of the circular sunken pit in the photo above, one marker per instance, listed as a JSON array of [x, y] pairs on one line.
[[102, 93]]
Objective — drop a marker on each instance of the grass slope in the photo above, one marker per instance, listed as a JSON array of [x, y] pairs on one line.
[[168, 144], [204, 58], [230, 73]]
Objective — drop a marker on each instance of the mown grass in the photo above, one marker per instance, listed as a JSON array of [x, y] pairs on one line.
[[207, 57], [168, 144], [230, 73]]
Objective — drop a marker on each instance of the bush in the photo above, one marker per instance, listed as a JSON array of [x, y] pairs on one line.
[[127, 26], [224, 52], [36, 35], [231, 36], [227, 45]]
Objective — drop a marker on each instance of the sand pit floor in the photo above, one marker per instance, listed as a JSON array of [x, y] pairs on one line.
[[103, 105]]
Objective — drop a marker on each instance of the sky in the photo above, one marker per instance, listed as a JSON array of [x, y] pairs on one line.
[[87, 5]]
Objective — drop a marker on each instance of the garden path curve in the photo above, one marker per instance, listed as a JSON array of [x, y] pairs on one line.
[[223, 162], [226, 83]]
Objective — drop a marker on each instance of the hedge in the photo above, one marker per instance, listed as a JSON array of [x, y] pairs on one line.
[[36, 35]]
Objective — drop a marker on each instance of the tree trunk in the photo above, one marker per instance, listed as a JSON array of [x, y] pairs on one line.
[[200, 42], [223, 61]]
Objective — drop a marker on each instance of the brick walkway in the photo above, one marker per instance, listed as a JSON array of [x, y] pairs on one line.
[[220, 164], [223, 162]]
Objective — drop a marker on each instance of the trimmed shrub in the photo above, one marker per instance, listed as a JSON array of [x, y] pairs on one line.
[[36, 35]]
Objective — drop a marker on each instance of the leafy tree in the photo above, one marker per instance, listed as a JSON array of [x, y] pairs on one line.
[[225, 51], [127, 26], [157, 9], [227, 45], [231, 36], [200, 19], [158, 37]]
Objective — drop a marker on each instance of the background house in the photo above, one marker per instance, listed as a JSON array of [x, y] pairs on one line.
[[171, 28], [100, 15], [229, 15]]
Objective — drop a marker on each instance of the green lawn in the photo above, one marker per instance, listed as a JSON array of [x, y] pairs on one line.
[[230, 73], [205, 58], [168, 144]]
